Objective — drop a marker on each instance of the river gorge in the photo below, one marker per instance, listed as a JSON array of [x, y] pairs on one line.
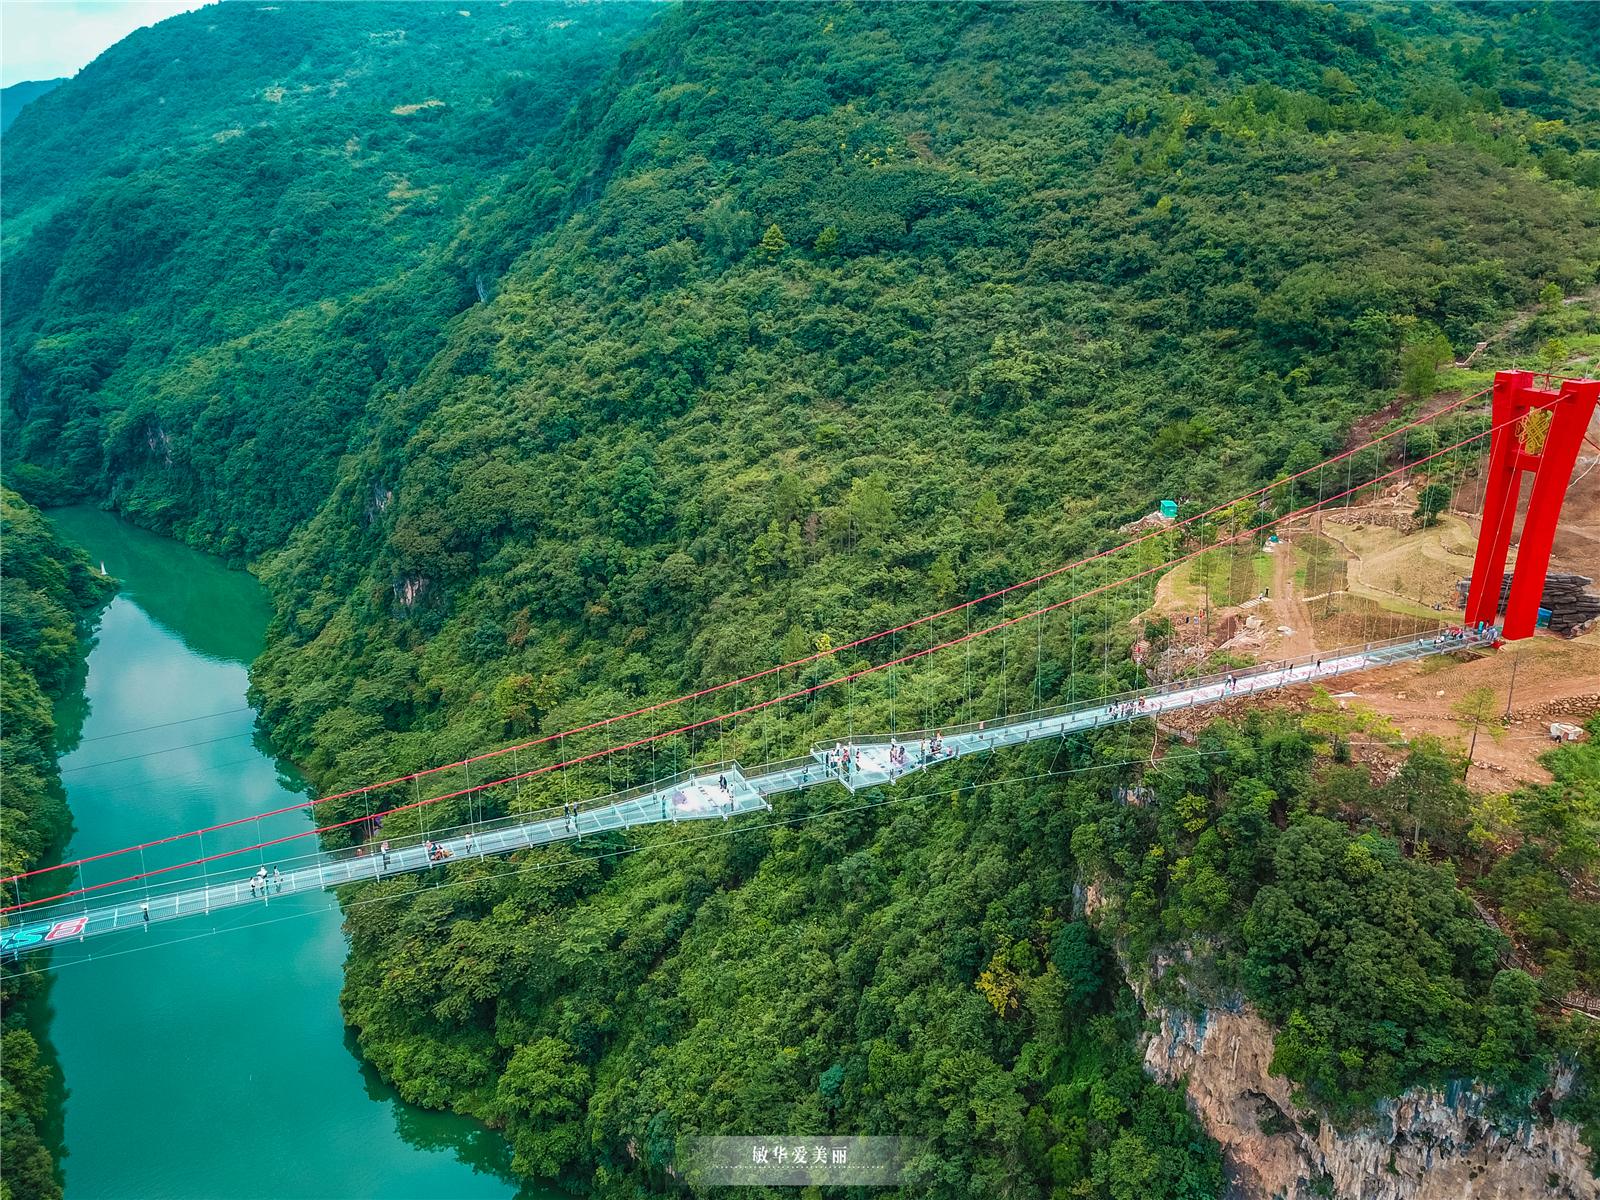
[[213, 1060]]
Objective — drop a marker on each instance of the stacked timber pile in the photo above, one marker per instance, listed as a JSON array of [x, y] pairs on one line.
[[1573, 608]]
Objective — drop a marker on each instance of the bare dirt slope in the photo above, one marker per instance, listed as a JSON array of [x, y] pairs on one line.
[[1289, 609], [1554, 679]]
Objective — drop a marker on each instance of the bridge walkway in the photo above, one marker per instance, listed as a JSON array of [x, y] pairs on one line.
[[715, 791]]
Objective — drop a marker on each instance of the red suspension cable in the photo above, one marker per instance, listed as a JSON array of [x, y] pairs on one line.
[[799, 662], [806, 691]]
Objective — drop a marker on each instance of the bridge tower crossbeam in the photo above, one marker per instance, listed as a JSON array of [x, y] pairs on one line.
[[1537, 429]]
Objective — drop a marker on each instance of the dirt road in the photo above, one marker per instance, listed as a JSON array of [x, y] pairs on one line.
[[1289, 607]]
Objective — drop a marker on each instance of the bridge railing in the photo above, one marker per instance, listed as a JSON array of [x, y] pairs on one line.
[[487, 827], [352, 863], [1278, 674], [214, 883]]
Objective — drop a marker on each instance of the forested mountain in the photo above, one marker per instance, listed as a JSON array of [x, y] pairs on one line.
[[224, 236], [677, 342], [14, 98], [48, 593]]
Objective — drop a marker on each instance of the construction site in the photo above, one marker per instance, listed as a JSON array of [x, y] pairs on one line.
[[1381, 567]]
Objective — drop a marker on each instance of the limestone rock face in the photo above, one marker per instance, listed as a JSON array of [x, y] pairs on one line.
[[1426, 1145]]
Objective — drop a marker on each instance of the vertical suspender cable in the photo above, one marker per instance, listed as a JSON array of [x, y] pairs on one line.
[[1038, 651]]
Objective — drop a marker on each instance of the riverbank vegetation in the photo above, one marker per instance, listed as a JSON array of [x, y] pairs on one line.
[[48, 597], [751, 329]]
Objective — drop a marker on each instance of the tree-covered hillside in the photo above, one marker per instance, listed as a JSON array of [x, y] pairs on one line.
[[15, 98], [48, 594], [753, 329], [222, 238], [842, 312]]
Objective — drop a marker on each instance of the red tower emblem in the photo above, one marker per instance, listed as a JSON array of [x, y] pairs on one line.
[[1539, 430]]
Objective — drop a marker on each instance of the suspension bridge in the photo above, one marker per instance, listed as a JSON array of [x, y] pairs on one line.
[[1533, 429]]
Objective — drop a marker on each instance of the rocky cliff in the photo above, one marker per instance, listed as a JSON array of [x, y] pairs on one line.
[[1425, 1145]]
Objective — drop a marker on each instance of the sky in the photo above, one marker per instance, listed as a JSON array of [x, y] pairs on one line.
[[45, 39]]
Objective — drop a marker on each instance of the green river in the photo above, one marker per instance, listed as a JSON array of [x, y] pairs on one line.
[[210, 1060]]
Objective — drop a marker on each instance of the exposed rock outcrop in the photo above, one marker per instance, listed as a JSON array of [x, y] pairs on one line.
[[1426, 1145]]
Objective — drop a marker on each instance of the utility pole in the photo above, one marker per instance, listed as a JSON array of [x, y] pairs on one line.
[[1511, 688]]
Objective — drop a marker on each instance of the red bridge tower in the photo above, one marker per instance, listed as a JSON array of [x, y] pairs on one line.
[[1538, 430]]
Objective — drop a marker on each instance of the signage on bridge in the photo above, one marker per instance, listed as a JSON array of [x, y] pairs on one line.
[[33, 935]]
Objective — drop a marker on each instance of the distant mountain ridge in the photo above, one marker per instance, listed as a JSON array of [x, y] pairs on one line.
[[18, 96]]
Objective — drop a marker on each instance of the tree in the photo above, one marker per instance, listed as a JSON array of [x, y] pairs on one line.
[[1432, 500], [1428, 789], [871, 510], [1128, 1168], [638, 507], [1554, 354], [1419, 365], [541, 1096], [827, 243], [1337, 719], [726, 229], [988, 517], [1478, 707], [1078, 957], [1011, 376], [772, 243]]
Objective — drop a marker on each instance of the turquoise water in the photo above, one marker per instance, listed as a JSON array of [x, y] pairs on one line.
[[212, 1061]]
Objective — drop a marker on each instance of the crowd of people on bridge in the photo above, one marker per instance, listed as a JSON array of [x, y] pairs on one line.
[[1132, 708], [843, 759], [260, 882]]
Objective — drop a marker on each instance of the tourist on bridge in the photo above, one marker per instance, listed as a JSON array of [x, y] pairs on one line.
[[261, 880], [384, 850], [277, 879]]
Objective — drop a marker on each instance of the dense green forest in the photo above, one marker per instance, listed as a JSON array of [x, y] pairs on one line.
[[48, 594], [920, 962], [224, 236], [676, 342], [15, 98], [1289, 866]]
